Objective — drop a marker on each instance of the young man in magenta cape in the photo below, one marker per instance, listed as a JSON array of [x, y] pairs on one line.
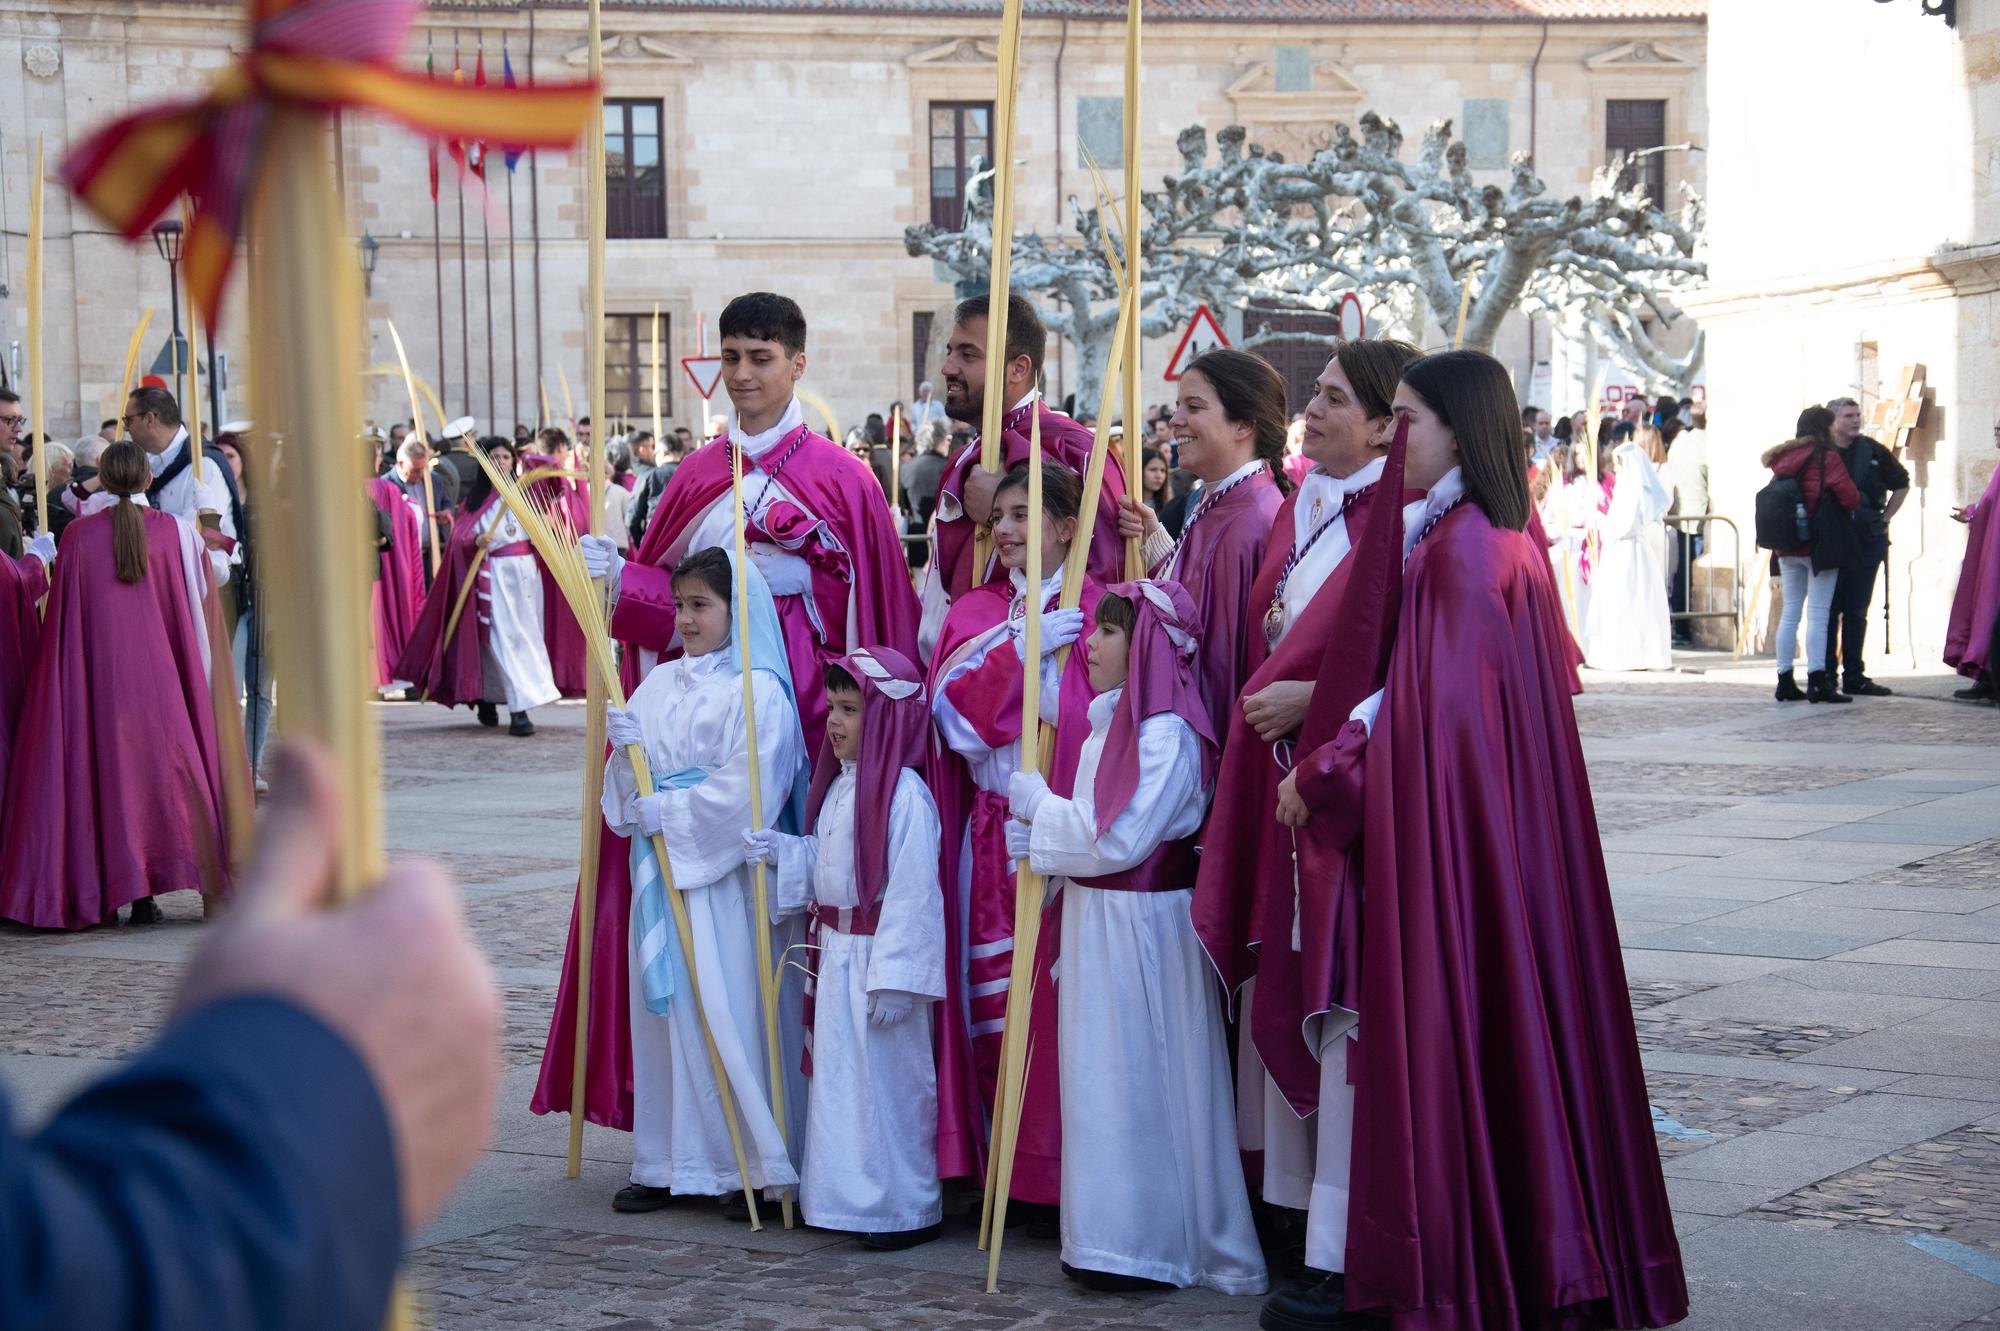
[[818, 524], [398, 593]]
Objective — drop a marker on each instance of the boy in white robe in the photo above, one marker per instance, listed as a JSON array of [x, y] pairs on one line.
[[868, 876], [688, 715], [1152, 1185]]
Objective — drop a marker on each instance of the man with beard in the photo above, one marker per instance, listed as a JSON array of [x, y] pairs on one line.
[[965, 494]]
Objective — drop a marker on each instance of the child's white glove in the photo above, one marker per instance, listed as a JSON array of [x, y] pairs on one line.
[[1018, 834], [1025, 793], [649, 811], [1060, 628], [621, 728], [760, 845], [887, 1007], [602, 560], [43, 547]]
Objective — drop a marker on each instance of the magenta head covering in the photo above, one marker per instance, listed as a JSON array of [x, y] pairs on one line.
[[1160, 677], [895, 730]]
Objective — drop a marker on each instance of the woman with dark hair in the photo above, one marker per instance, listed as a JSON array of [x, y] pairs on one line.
[[1246, 892], [1157, 479], [479, 640], [1230, 419], [1504, 1172], [115, 793], [976, 677], [1812, 461]]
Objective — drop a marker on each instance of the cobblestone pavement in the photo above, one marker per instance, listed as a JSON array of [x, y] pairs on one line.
[[1809, 899]]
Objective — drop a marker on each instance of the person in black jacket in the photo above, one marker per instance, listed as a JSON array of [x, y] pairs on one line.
[[327, 1078], [1884, 485]]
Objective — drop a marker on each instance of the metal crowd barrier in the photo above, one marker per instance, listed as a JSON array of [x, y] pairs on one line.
[[1702, 526]]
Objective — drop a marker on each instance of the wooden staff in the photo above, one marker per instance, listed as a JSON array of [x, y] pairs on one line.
[[314, 557], [556, 543], [1135, 563], [1028, 925], [35, 377], [768, 975], [562, 377], [997, 288], [595, 698], [117, 407], [896, 467], [417, 425], [658, 438], [423, 386], [193, 404]]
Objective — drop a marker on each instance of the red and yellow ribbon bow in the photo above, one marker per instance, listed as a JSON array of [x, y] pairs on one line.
[[325, 54]]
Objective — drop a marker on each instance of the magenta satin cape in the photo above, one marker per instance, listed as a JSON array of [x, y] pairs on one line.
[[398, 589], [1505, 1174], [1219, 564], [452, 672], [1243, 893], [23, 583], [828, 479], [1063, 441], [962, 1103], [1572, 653], [1969, 633], [116, 788]]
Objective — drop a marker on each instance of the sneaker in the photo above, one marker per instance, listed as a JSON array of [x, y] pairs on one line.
[[1860, 686], [519, 726], [1982, 691], [145, 911]]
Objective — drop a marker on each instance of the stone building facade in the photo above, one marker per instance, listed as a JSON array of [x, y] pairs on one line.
[[794, 142], [1853, 233]]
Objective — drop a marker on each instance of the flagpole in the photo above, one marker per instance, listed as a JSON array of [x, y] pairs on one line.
[[513, 276], [1135, 566]]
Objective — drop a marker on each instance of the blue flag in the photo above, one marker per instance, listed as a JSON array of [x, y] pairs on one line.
[[513, 155]]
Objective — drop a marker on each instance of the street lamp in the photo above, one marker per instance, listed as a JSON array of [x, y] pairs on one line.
[[168, 238], [368, 246]]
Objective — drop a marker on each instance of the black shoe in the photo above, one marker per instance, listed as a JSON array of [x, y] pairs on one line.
[[897, 1240], [1860, 686], [1036, 1220], [1318, 1305], [489, 714], [1981, 690], [145, 911], [1819, 688], [1788, 688], [639, 1197], [735, 1207], [1108, 1282], [519, 725]]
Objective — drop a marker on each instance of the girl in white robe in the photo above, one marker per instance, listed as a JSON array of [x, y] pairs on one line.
[[1628, 627], [869, 877], [1152, 1186], [688, 715], [515, 658]]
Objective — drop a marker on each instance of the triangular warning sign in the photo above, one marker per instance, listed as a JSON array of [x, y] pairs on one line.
[[705, 371], [1203, 334]]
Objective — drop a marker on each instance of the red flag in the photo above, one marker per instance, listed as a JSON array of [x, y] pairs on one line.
[[456, 147], [476, 151]]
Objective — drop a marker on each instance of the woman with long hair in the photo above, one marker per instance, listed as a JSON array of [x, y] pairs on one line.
[[480, 640], [1230, 418], [1246, 909], [1810, 459], [116, 790], [1504, 1172], [1157, 480]]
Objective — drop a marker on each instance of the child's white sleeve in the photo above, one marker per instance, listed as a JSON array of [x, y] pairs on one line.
[[909, 933], [1167, 804], [792, 875]]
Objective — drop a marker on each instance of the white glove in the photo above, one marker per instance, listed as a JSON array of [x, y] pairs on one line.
[[43, 547], [887, 1007], [649, 811], [760, 845], [621, 728], [602, 560], [1060, 628], [1025, 793], [1018, 833]]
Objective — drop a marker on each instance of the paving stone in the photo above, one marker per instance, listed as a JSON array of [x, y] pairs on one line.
[[1719, 1108], [1948, 1185], [1776, 1040]]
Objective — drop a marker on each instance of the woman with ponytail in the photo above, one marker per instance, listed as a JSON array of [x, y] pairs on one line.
[[1230, 421], [115, 792]]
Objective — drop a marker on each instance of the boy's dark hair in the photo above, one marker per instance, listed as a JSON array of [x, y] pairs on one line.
[[157, 402], [553, 437], [1114, 611], [1062, 489], [1026, 334], [838, 680], [711, 566], [764, 316]]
